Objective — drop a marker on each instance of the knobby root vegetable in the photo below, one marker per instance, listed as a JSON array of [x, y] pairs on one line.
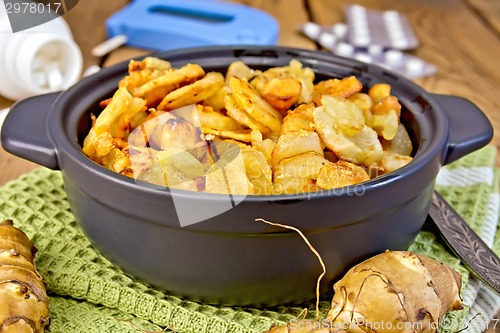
[[23, 299], [393, 292]]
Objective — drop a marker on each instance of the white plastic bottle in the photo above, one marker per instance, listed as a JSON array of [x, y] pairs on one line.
[[38, 60]]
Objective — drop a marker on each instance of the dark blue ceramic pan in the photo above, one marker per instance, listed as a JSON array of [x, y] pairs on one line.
[[230, 258]]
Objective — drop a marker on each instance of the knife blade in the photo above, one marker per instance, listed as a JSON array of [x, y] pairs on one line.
[[465, 243]]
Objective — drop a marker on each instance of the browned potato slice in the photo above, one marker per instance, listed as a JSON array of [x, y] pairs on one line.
[[193, 93], [215, 120], [171, 80], [249, 99], [173, 167], [148, 63], [340, 174], [339, 88], [241, 116], [266, 146], [345, 114], [386, 105], [294, 70], [321, 87], [385, 118], [365, 103], [305, 165], [141, 72], [112, 123], [281, 93], [241, 70], [379, 91], [181, 160], [295, 143], [217, 100], [306, 77], [299, 119], [401, 143], [228, 175], [285, 184], [239, 135], [392, 161], [258, 170], [363, 148], [118, 160], [178, 180], [386, 125], [297, 174]]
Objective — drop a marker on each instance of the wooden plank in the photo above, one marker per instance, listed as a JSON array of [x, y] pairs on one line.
[[451, 37], [87, 23], [5, 103], [488, 10], [12, 167]]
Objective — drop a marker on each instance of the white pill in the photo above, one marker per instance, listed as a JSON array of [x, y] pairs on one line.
[[364, 57], [358, 9], [358, 13], [361, 40], [400, 43], [340, 30], [54, 77], [391, 16], [375, 49], [414, 65], [361, 29], [396, 33], [40, 79], [312, 30], [393, 56], [344, 49], [327, 40]]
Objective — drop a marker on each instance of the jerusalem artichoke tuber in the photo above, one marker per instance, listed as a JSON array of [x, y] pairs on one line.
[[393, 292], [23, 299]]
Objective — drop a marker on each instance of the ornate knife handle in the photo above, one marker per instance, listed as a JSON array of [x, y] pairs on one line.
[[465, 243]]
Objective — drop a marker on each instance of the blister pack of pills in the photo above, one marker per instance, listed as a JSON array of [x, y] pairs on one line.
[[388, 29], [379, 48]]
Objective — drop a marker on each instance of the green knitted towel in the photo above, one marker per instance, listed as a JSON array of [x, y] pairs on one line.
[[89, 294]]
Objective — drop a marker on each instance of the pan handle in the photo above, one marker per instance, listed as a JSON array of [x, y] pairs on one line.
[[25, 130], [470, 129]]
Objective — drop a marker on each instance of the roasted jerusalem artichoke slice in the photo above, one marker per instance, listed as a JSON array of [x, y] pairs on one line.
[[362, 148], [23, 299], [340, 174]]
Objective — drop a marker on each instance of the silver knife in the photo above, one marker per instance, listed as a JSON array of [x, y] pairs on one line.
[[465, 243]]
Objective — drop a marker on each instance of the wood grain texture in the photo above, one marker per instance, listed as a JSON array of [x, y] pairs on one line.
[[451, 37], [487, 10], [86, 22]]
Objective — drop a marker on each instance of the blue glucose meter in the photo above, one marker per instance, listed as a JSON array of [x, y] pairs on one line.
[[170, 24]]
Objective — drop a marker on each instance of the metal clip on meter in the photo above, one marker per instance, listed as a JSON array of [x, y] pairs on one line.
[[170, 24]]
